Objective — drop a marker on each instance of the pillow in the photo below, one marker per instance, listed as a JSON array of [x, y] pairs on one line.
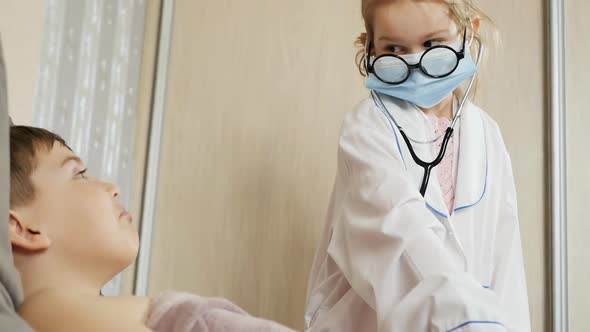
[[10, 284]]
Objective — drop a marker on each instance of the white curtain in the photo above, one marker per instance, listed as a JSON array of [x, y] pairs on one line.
[[88, 81]]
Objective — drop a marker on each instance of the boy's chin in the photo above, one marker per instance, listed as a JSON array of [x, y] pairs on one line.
[[133, 252], [122, 262], [127, 255]]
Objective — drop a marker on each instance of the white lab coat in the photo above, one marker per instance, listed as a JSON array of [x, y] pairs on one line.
[[390, 260]]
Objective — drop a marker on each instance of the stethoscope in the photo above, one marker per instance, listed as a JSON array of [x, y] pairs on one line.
[[428, 166]]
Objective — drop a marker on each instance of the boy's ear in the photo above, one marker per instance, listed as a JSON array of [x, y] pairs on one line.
[[25, 237]]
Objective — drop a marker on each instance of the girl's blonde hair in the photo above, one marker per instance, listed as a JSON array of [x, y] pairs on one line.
[[461, 11]]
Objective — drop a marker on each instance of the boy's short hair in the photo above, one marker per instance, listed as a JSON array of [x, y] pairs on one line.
[[25, 144]]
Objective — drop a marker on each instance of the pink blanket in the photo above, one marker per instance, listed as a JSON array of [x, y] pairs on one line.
[[183, 312]]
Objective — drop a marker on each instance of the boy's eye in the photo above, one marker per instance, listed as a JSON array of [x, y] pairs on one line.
[[82, 174]]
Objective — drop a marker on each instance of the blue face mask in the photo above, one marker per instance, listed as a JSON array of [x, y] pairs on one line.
[[420, 89]]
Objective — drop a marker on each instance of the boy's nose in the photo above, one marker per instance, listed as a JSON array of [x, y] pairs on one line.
[[113, 189]]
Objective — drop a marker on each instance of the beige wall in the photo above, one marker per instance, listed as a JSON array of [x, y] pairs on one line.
[[578, 120], [21, 30], [513, 92], [256, 94], [257, 91]]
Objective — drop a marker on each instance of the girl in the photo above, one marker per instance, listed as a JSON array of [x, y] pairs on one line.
[[404, 248]]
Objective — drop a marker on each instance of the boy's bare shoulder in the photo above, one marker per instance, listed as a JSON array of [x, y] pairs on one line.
[[51, 311]]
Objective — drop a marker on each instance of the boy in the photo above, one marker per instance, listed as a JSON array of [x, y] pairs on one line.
[[70, 235]]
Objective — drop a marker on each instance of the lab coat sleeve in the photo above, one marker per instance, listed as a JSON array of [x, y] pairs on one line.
[[388, 244], [508, 278]]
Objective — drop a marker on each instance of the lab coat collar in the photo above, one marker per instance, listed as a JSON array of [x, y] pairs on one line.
[[472, 172]]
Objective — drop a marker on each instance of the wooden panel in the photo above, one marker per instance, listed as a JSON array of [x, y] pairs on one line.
[[513, 91], [256, 95], [578, 136]]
